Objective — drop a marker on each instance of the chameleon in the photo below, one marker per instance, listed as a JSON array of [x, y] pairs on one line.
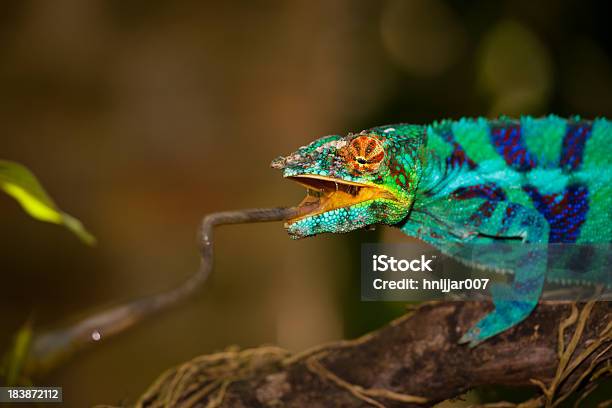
[[452, 183]]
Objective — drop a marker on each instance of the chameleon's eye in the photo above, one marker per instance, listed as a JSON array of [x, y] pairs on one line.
[[364, 154]]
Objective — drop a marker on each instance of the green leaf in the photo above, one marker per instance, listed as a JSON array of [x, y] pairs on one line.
[[18, 182], [15, 358]]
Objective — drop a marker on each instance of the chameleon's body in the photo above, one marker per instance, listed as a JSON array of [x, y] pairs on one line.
[[452, 183]]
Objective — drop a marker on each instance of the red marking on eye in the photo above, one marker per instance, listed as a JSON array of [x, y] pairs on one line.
[[370, 147], [364, 154], [377, 158]]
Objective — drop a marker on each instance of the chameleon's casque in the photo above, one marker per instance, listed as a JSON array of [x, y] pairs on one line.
[[537, 180]]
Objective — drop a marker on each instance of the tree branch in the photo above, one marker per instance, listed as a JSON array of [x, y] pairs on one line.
[[413, 361], [50, 348]]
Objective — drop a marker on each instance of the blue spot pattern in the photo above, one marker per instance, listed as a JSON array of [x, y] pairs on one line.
[[508, 142], [565, 212], [572, 149], [458, 157], [489, 191], [509, 214]]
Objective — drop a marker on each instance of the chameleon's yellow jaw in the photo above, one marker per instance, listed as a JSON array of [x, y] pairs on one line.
[[325, 194]]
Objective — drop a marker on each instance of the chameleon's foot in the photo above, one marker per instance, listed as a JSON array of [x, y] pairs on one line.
[[506, 314], [510, 309], [471, 337]]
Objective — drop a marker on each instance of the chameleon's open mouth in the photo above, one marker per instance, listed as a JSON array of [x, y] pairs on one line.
[[325, 194]]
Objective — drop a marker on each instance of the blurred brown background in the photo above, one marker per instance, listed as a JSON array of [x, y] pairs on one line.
[[141, 116]]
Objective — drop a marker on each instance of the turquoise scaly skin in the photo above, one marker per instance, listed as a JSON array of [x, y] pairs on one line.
[[471, 181]]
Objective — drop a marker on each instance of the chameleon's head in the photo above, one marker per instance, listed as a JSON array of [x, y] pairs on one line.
[[355, 181]]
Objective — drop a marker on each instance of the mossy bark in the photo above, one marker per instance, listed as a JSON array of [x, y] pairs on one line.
[[415, 360]]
